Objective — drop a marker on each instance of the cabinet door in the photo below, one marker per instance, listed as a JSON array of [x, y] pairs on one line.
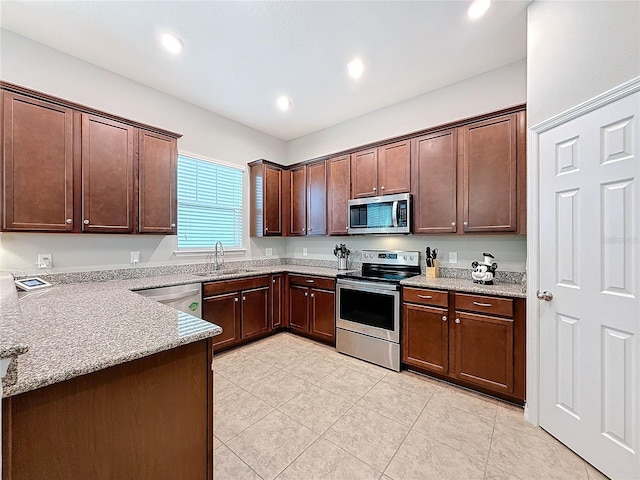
[[255, 312], [483, 348], [338, 191], [107, 175], [276, 300], [489, 175], [299, 308], [317, 199], [434, 173], [157, 177], [298, 189], [37, 164], [425, 337], [224, 311], [272, 200], [364, 173], [322, 315], [394, 168]]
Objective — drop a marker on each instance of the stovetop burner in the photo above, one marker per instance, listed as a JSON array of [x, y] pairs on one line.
[[386, 266]]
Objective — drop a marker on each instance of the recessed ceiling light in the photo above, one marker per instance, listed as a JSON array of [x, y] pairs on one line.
[[172, 43], [355, 67], [478, 8], [284, 103]]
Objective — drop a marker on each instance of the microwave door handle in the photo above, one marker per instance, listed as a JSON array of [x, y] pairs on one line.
[[394, 215]]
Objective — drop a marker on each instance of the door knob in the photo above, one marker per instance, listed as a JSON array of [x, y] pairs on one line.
[[544, 295]]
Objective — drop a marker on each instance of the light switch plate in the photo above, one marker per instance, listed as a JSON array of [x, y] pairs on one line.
[[304, 252], [135, 258], [45, 260], [453, 257]]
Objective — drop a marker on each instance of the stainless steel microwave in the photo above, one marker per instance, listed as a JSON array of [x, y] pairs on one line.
[[384, 214]]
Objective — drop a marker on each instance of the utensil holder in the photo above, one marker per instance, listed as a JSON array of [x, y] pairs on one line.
[[433, 272], [342, 263]]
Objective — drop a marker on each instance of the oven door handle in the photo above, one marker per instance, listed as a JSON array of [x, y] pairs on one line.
[[368, 286], [394, 214]]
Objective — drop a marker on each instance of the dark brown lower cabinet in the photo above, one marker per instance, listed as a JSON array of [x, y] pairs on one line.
[[312, 307], [474, 340], [240, 307], [147, 419], [425, 337]]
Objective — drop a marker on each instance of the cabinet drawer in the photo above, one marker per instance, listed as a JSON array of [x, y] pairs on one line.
[[483, 304], [222, 286], [426, 297], [309, 281]]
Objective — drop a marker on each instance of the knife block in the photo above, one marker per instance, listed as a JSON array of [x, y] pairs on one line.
[[433, 272]]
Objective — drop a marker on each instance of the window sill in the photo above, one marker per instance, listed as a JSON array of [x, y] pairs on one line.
[[206, 252]]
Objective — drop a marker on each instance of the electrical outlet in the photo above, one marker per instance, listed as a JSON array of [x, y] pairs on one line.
[[135, 258], [304, 252], [453, 257], [268, 252], [45, 260]]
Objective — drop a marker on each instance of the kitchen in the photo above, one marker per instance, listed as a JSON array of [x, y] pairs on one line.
[[208, 134]]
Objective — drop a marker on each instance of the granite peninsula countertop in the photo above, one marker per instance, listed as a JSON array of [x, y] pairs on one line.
[[70, 330], [466, 285]]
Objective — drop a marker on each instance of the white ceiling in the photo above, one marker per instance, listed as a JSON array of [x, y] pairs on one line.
[[240, 56]]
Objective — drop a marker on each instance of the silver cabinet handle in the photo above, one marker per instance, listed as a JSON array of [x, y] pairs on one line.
[[273, 281], [306, 294], [375, 189], [244, 298], [309, 281], [382, 187], [86, 222], [303, 229], [457, 320], [453, 224], [465, 224], [425, 296], [444, 318], [173, 225], [69, 220], [312, 295], [266, 229], [482, 304], [236, 299], [545, 295]]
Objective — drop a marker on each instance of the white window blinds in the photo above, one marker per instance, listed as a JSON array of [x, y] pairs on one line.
[[209, 204]]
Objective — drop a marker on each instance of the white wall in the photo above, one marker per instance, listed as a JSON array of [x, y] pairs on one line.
[[36, 66], [500, 88], [577, 50]]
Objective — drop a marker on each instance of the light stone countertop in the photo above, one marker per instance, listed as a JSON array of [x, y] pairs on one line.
[[75, 329], [466, 285]]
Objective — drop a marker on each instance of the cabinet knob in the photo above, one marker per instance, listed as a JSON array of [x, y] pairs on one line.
[[244, 298], [236, 299], [173, 225], [306, 294], [312, 295], [69, 221], [382, 187], [304, 229], [465, 224], [444, 318], [266, 229], [453, 224], [457, 320], [86, 222], [375, 189], [273, 281]]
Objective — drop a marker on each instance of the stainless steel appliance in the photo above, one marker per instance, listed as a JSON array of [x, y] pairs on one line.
[[185, 298], [368, 306], [385, 214]]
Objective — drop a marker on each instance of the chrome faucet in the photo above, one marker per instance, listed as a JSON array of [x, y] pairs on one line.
[[215, 255]]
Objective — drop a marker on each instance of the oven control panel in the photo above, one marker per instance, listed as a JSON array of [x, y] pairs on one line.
[[391, 257]]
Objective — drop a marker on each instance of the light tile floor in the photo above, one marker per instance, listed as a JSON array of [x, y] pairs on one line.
[[292, 409]]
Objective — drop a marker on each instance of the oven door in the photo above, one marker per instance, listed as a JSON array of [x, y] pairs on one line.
[[370, 308]]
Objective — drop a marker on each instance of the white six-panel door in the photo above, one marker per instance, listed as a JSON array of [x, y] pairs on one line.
[[589, 259]]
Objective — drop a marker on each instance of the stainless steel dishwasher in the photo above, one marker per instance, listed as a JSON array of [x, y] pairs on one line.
[[186, 298]]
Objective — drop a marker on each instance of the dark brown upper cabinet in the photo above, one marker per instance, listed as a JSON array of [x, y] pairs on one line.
[[70, 168], [338, 192], [434, 175], [107, 175], [488, 156], [266, 197], [383, 170], [37, 165], [308, 199], [157, 179]]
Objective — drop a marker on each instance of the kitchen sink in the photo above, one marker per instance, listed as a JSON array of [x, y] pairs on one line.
[[218, 273]]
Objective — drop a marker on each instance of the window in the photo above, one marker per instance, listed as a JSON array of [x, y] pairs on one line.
[[209, 204]]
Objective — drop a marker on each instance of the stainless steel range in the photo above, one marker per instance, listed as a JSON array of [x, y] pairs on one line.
[[368, 306]]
